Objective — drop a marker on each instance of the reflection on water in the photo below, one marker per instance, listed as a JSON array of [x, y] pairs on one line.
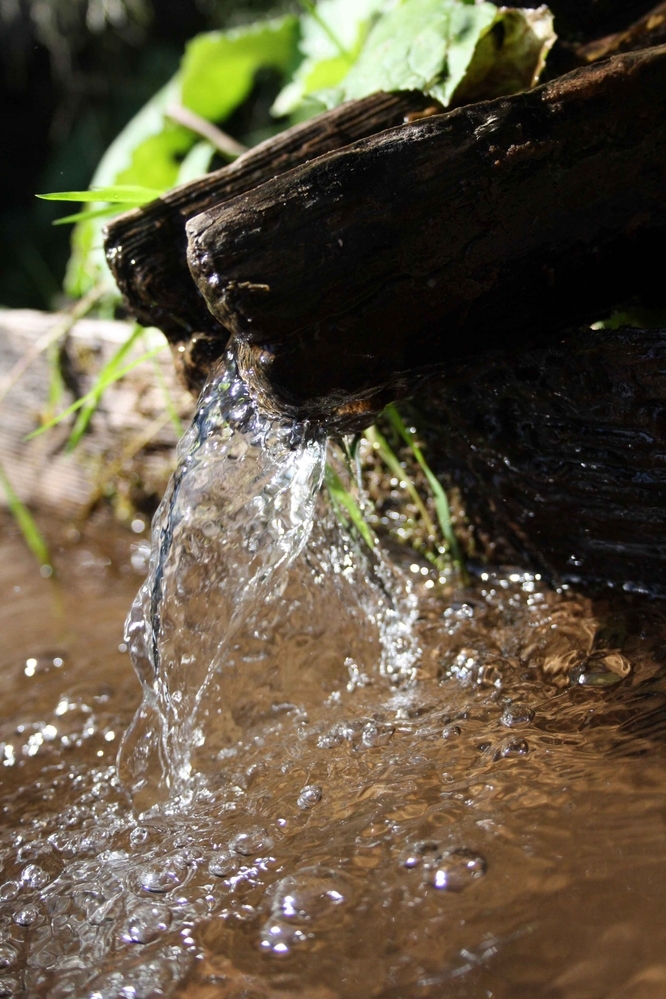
[[487, 821]]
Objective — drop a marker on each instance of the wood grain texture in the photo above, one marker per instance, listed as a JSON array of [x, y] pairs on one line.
[[351, 274], [146, 248]]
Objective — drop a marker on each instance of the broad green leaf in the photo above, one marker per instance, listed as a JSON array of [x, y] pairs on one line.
[[219, 67], [420, 45], [330, 43], [216, 75]]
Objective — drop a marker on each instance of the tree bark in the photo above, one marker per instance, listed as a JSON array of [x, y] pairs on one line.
[[146, 248], [345, 278]]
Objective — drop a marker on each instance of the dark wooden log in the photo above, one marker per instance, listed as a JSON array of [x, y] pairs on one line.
[[146, 248], [560, 453], [647, 31], [349, 275]]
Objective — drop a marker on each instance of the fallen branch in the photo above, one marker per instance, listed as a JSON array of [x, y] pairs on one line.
[[357, 271]]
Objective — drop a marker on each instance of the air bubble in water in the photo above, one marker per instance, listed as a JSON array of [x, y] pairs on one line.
[[251, 843], [310, 795]]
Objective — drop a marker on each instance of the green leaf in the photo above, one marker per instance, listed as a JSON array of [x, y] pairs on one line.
[[216, 75], [25, 521], [219, 67], [445, 48], [331, 40], [342, 498], [420, 45]]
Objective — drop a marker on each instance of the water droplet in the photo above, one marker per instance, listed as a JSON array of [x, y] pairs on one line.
[[310, 795], [515, 715], [34, 876], [147, 923], [26, 916], [162, 875], [252, 843]]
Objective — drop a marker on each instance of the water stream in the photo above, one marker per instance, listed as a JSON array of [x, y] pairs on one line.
[[337, 784]]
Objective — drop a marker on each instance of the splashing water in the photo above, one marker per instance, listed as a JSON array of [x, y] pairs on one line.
[[238, 511]]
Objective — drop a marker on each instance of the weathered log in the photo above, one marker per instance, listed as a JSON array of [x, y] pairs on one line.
[[146, 248], [457, 233], [560, 452]]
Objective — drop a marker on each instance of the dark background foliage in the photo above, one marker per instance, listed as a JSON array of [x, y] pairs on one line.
[[73, 72]]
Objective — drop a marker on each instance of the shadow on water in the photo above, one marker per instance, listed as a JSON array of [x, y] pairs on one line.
[[380, 789]]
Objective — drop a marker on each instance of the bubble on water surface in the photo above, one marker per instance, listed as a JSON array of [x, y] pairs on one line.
[[146, 924], [450, 870], [34, 876], [162, 875], [26, 916], [9, 987], [304, 904], [310, 795], [251, 843], [223, 864], [515, 715]]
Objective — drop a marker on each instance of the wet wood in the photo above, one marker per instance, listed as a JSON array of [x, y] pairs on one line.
[[146, 248], [347, 276], [559, 454]]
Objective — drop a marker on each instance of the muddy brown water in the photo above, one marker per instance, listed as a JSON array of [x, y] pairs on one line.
[[493, 827]]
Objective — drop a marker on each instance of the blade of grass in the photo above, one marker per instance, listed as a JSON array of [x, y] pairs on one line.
[[392, 462], [61, 328], [106, 377], [168, 400], [86, 398], [93, 213], [341, 497], [124, 194], [441, 501], [26, 523]]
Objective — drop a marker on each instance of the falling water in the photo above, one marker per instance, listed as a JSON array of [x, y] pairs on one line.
[[238, 512]]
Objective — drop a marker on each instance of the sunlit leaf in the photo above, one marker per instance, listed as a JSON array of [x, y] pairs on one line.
[[126, 194]]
